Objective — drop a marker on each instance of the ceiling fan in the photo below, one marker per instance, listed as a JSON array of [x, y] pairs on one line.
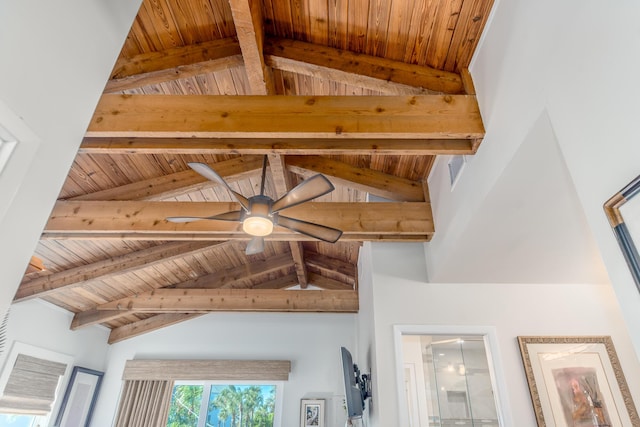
[[260, 213]]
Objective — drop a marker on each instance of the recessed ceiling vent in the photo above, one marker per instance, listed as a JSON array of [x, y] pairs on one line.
[[456, 165], [7, 145]]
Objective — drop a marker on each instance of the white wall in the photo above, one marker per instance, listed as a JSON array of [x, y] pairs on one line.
[[402, 298], [573, 59], [56, 57], [364, 354], [44, 325], [530, 227], [310, 341]]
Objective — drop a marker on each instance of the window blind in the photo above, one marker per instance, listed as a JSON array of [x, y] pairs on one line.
[[32, 384]]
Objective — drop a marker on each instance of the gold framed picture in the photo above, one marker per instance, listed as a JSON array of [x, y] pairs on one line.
[[577, 381]]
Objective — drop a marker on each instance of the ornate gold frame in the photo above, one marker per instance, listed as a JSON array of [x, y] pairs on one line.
[[537, 387]]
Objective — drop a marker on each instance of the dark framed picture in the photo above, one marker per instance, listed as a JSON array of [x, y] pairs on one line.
[[623, 212], [577, 381], [312, 413], [79, 398]]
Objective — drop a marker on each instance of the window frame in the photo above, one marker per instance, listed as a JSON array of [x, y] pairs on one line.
[[277, 410]]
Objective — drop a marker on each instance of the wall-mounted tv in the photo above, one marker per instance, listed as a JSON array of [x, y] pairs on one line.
[[356, 386]]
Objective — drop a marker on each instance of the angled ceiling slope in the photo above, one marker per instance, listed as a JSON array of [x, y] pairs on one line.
[[365, 93]]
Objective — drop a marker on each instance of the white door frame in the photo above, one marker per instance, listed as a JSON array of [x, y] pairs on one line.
[[491, 345]]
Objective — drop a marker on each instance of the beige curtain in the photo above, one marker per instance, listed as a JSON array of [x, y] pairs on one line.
[[144, 403]]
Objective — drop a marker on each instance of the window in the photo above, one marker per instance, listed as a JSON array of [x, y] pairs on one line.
[[16, 420], [30, 385], [202, 393], [215, 404]]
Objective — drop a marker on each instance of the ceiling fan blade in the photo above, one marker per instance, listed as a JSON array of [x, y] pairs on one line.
[[317, 231], [204, 170], [308, 189], [228, 216], [255, 246]]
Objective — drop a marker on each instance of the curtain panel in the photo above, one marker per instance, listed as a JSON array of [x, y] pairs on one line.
[[144, 403]]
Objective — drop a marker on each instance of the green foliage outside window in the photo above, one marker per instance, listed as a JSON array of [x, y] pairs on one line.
[[227, 406], [185, 406]]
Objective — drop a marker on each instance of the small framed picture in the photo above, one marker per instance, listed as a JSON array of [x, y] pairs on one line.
[[312, 413], [79, 398]]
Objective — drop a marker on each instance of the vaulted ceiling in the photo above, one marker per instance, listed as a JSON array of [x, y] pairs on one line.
[[365, 92]]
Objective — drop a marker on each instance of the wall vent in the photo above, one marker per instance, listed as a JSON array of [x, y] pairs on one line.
[[456, 164]]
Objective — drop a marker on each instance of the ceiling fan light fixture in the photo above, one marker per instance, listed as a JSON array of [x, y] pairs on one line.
[[257, 226], [257, 221]]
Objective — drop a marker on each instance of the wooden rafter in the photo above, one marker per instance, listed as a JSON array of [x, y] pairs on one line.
[[327, 283], [74, 277], [150, 324], [344, 270], [277, 117], [288, 146], [282, 183], [397, 221], [221, 279], [179, 62], [178, 183], [247, 17], [206, 300], [378, 183], [301, 57], [228, 278], [371, 72]]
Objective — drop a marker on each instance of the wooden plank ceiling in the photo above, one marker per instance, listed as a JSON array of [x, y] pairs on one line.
[[365, 92]]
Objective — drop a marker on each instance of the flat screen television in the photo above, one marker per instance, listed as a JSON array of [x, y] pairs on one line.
[[356, 386]]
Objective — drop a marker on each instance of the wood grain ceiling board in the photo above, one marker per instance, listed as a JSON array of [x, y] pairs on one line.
[[441, 34], [163, 24]]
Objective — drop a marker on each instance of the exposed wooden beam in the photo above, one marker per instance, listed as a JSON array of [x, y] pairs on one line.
[[378, 183], [347, 272], [229, 277], [178, 183], [385, 87], [150, 324], [353, 65], [247, 17], [279, 283], [467, 82], [174, 63], [361, 117], [328, 284], [283, 146], [94, 317], [359, 221], [221, 279], [74, 277], [206, 300], [282, 183]]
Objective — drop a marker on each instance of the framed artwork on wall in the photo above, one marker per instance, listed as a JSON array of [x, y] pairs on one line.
[[79, 398], [623, 212], [577, 381], [312, 413]]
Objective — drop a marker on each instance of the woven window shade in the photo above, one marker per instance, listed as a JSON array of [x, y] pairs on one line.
[[32, 384], [207, 370]]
